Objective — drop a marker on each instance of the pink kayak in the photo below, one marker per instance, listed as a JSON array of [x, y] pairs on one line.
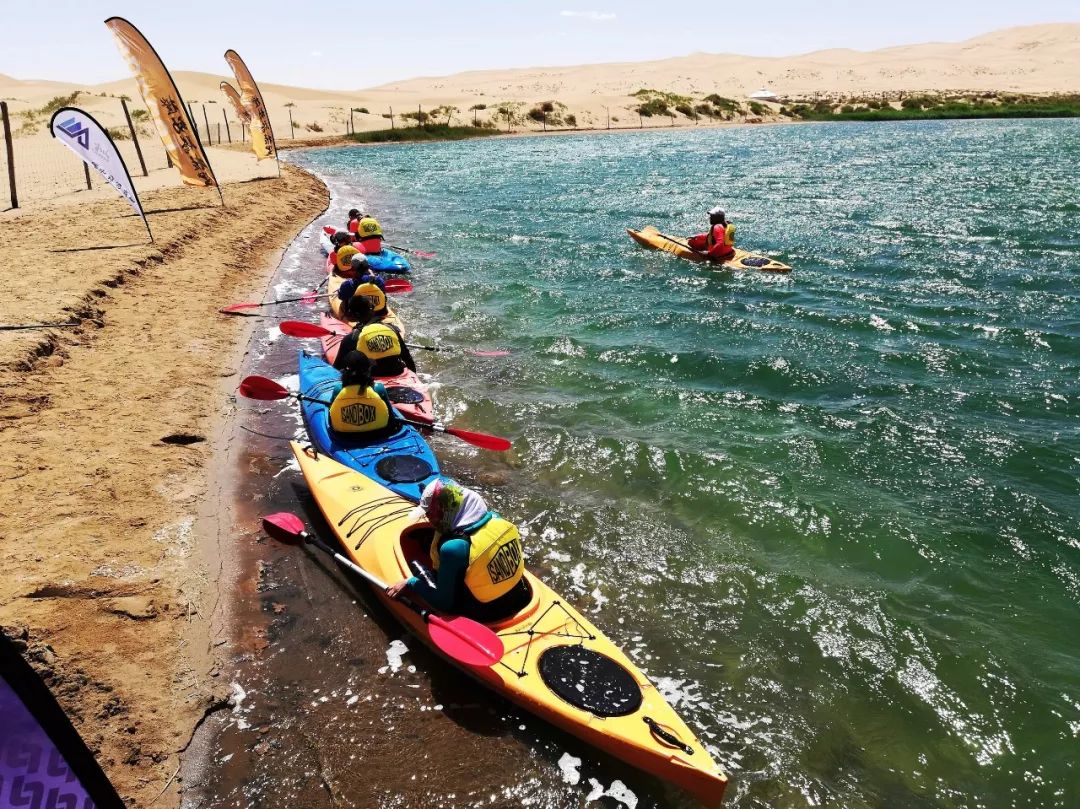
[[406, 391]]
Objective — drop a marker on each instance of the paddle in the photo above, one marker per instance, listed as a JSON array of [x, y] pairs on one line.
[[239, 307], [263, 389], [310, 296], [461, 639], [411, 251], [298, 328], [38, 326]]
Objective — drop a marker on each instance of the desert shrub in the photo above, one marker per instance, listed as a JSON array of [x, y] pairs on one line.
[[314, 126], [291, 104], [548, 106], [119, 133], [364, 110], [614, 119], [727, 104], [686, 110], [912, 103], [477, 107], [140, 115], [571, 119], [758, 108], [847, 108], [536, 114], [654, 106]]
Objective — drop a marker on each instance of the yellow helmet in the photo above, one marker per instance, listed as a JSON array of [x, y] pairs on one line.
[[344, 257], [369, 226]]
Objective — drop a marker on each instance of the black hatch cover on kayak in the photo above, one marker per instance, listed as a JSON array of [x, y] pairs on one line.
[[754, 261], [403, 468], [399, 394], [589, 680]]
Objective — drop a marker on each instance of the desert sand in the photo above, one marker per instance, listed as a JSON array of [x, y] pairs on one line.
[[113, 575], [1030, 59]]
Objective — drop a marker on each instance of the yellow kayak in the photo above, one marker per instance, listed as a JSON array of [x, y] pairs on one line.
[[556, 663], [391, 317], [742, 260]]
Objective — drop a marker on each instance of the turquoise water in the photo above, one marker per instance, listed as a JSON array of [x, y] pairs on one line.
[[834, 514]]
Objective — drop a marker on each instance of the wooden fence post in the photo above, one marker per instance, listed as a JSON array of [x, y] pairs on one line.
[[10, 154], [191, 115], [228, 130], [352, 123], [391, 117], [292, 126], [134, 136], [209, 140], [86, 174]]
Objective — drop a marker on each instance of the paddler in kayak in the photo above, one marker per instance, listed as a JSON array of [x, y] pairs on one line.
[[341, 240], [354, 220], [719, 243], [358, 403], [380, 342], [369, 235], [476, 555]]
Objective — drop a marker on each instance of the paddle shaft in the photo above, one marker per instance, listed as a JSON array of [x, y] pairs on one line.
[[371, 578]]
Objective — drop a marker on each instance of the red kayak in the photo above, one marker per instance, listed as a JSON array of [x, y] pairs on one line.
[[406, 391]]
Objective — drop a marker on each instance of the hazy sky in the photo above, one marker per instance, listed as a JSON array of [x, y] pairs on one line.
[[324, 44]]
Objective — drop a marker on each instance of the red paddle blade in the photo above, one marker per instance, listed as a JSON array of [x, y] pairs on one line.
[[239, 307], [482, 440], [423, 254], [465, 640], [398, 285], [284, 527], [308, 299], [329, 231], [298, 328], [259, 387], [490, 353]]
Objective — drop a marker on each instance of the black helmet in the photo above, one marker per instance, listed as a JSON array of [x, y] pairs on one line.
[[359, 308], [716, 216], [340, 237], [356, 369], [354, 213]]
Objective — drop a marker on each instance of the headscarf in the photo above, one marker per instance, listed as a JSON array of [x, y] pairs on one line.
[[449, 506]]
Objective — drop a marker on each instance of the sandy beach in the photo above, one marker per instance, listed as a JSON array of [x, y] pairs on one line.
[[115, 583]]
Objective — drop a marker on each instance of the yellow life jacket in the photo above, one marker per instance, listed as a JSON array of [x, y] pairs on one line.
[[729, 236], [358, 411], [344, 256], [369, 227], [496, 559], [377, 341], [376, 297]]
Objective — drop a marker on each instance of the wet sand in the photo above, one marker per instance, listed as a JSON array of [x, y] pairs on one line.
[[119, 572]]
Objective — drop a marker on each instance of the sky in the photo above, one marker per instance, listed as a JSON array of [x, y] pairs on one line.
[[324, 44]]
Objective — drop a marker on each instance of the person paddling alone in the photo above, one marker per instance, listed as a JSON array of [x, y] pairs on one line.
[[476, 555], [719, 243], [359, 403], [379, 341]]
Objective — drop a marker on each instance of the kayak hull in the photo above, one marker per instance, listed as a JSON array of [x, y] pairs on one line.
[[402, 389], [653, 239], [391, 318], [376, 532], [401, 462], [385, 261]]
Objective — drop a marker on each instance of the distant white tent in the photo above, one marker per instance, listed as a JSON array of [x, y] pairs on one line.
[[764, 95]]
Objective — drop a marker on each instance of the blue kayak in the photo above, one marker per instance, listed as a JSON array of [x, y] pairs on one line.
[[387, 261], [402, 461]]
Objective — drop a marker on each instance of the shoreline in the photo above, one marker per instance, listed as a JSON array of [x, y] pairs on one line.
[[115, 428]]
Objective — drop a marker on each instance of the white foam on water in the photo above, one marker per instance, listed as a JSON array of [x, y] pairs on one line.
[[618, 791], [880, 323], [568, 764], [394, 653]]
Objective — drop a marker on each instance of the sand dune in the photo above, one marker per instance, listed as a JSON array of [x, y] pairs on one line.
[[1032, 59]]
